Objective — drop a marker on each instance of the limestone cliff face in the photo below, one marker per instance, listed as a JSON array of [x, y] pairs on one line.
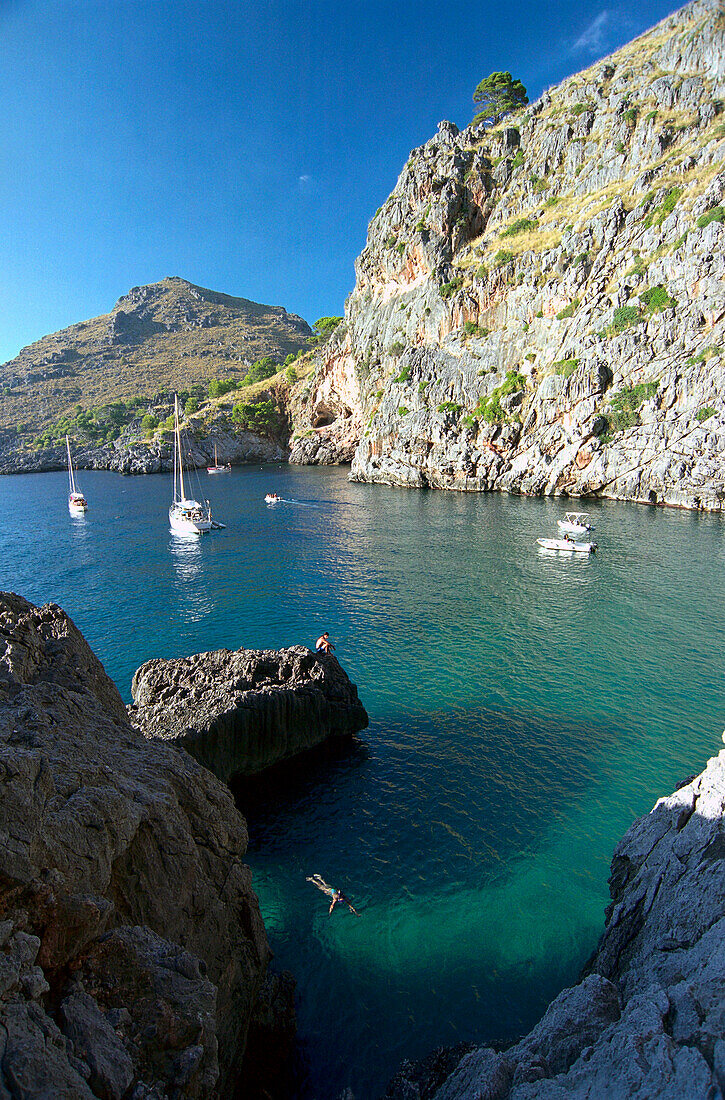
[[648, 1019], [541, 308]]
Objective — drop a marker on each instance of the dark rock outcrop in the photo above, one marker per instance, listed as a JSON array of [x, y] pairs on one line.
[[241, 711], [648, 1019], [132, 950]]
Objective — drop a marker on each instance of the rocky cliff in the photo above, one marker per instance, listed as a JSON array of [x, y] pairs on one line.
[[240, 712], [540, 307], [647, 1021], [132, 951]]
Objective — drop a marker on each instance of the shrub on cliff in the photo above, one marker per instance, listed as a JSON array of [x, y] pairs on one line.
[[261, 416], [499, 94], [521, 225], [657, 299], [451, 288], [624, 406], [263, 368], [715, 214]]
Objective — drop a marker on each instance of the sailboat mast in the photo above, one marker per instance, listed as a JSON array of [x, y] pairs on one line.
[[71, 479], [178, 442], [176, 421]]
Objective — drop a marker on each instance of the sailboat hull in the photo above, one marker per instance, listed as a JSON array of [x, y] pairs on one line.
[[183, 522]]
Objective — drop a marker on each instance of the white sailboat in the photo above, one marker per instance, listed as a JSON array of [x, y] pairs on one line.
[[77, 503], [186, 516], [216, 468]]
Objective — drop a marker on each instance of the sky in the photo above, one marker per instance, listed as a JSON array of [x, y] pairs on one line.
[[243, 146]]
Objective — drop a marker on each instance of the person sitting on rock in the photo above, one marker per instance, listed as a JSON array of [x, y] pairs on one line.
[[323, 644], [336, 895]]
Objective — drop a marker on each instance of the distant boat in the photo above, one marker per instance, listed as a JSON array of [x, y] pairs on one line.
[[77, 503], [569, 545], [576, 524], [216, 468], [186, 516], [272, 498]]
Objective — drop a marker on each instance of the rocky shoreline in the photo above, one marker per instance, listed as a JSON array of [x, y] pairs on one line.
[[133, 956], [647, 1019]]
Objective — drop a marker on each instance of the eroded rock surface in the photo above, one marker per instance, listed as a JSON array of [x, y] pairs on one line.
[[241, 711], [649, 1020], [540, 307], [132, 950]]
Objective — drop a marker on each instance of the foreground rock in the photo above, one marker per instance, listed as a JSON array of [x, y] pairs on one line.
[[648, 1021], [238, 712], [132, 951]]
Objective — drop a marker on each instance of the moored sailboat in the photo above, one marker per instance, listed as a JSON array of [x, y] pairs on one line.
[[216, 468], [77, 503], [186, 516]]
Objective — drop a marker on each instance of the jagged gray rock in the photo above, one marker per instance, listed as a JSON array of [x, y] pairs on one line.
[[502, 261], [241, 711], [127, 909], [648, 1021]]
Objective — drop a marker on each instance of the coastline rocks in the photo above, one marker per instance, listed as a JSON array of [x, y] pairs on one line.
[[154, 457], [132, 951], [238, 712], [648, 1020]]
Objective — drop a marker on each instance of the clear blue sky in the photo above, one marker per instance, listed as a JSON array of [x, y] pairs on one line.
[[241, 146]]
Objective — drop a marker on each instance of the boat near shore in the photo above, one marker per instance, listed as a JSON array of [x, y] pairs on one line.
[[77, 503], [569, 546], [576, 524], [186, 516]]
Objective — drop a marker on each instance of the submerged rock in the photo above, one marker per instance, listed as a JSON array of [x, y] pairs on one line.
[[239, 712], [648, 1019], [132, 950]]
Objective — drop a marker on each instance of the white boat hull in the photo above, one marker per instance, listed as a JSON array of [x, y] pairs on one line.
[[182, 523], [218, 469], [569, 546], [577, 530], [77, 509]]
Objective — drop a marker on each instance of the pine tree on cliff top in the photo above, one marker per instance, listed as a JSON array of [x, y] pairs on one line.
[[500, 94]]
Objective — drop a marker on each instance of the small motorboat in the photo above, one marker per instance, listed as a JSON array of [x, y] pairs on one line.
[[576, 524], [568, 545], [272, 498]]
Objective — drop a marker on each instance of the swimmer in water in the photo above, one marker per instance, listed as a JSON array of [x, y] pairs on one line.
[[336, 895]]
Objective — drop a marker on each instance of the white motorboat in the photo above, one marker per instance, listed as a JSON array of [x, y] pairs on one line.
[[216, 468], [576, 524], [272, 498], [568, 545], [77, 503], [186, 516]]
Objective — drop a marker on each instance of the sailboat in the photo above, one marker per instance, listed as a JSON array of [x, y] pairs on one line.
[[77, 503], [216, 468], [186, 516]]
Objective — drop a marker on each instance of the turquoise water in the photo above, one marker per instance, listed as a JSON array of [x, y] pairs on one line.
[[524, 708]]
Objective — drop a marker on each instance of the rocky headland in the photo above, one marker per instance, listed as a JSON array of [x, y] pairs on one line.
[[540, 306], [133, 957], [647, 1020], [239, 712]]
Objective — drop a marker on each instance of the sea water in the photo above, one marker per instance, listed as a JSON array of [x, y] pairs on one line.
[[524, 708]]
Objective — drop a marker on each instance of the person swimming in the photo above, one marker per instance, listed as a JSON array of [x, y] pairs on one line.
[[336, 895]]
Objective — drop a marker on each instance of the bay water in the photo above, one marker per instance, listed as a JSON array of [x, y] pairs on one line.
[[524, 708]]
